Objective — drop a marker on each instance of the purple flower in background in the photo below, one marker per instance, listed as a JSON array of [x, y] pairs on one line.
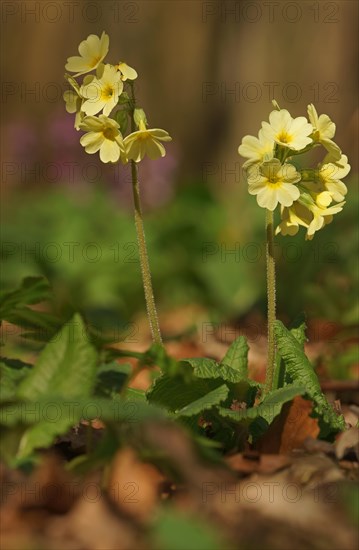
[[61, 131], [157, 180], [22, 140]]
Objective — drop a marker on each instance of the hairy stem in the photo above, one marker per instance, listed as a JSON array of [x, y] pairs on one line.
[[145, 266], [271, 297], [142, 247]]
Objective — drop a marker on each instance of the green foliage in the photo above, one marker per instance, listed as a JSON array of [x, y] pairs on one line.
[[65, 369], [237, 356], [205, 391], [297, 329], [188, 256], [340, 359], [66, 366], [174, 531], [200, 393], [260, 418], [68, 383], [200, 387], [107, 290], [12, 372], [300, 371], [32, 291], [14, 308], [175, 393], [214, 397], [111, 378]]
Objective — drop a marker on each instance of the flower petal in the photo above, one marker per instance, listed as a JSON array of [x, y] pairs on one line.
[[109, 151]]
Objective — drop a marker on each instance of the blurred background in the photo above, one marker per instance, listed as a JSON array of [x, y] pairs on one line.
[[208, 71]]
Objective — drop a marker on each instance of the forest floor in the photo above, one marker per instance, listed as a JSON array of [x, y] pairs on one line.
[[293, 491]]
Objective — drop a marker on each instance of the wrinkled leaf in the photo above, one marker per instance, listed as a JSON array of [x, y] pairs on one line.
[[300, 370], [66, 366], [237, 357], [33, 290], [215, 397], [268, 409]]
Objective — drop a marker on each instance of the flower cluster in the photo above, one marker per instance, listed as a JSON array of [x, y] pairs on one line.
[[307, 197], [98, 96]]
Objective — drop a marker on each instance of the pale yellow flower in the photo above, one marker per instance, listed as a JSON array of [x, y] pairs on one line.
[[287, 131], [273, 184], [102, 93], [146, 142], [103, 135], [127, 72], [73, 105], [292, 218], [319, 205], [73, 99], [92, 51], [322, 217], [256, 150], [331, 174], [324, 131], [312, 211]]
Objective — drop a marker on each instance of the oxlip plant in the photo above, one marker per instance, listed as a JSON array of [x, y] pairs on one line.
[[215, 400], [103, 103], [307, 197], [219, 398]]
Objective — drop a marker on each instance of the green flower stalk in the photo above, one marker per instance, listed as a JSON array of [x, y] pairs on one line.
[[145, 266], [93, 101], [271, 300], [307, 198]]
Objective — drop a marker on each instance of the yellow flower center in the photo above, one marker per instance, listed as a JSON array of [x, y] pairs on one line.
[[107, 92], [95, 61], [110, 133], [274, 182], [143, 135], [284, 137]]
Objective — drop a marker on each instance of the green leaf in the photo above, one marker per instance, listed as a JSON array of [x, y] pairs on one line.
[[300, 370], [135, 394], [51, 417], [13, 308], [15, 364], [42, 434], [237, 357], [233, 367], [299, 328], [208, 368], [12, 372], [174, 393], [174, 531], [52, 409], [111, 377], [32, 291], [45, 324], [268, 409], [215, 397], [66, 366]]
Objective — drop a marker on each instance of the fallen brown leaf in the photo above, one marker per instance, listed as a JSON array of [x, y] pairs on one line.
[[92, 525], [265, 464], [298, 425], [347, 442], [134, 486]]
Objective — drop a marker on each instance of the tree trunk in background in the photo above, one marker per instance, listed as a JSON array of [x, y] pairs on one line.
[[190, 56]]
